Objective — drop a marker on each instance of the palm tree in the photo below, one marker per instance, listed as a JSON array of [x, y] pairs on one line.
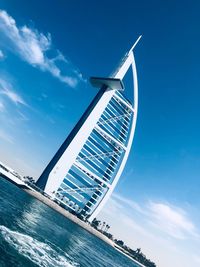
[[96, 223], [107, 227], [103, 225], [138, 250]]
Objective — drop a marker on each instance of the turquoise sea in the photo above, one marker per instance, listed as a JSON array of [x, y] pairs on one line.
[[32, 234]]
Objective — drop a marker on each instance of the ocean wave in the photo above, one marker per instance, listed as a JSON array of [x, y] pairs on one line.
[[38, 252]]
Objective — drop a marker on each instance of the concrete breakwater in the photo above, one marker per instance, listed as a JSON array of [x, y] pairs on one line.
[[68, 215]]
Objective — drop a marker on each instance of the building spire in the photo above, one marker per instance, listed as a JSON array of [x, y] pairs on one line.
[[134, 45], [125, 62]]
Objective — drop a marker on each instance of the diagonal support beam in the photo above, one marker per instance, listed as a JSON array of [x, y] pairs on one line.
[[124, 102], [116, 118], [98, 156], [105, 134], [86, 170]]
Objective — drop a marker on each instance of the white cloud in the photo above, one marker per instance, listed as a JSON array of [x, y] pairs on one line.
[[123, 209], [132, 204], [169, 219], [6, 89], [132, 224], [32, 46], [1, 54], [14, 97], [165, 232], [172, 220], [2, 107]]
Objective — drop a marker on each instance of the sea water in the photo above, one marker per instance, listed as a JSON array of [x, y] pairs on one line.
[[32, 234]]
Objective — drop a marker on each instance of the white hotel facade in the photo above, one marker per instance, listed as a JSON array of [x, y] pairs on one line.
[[85, 170]]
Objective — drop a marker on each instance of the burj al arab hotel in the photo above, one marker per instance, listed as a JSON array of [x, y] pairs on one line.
[[86, 168]]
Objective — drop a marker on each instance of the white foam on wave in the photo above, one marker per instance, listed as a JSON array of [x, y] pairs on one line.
[[38, 252]]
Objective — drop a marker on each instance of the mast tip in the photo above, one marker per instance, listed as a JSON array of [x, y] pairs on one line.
[[134, 45]]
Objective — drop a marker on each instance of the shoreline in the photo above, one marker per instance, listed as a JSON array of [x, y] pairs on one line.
[[125, 254], [50, 203], [76, 220]]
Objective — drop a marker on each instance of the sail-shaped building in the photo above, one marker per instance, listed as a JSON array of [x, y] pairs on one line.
[[86, 168]]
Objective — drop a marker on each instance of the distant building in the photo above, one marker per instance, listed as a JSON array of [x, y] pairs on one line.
[[86, 168]]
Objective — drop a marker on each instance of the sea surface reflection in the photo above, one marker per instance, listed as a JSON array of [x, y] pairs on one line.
[[32, 234]]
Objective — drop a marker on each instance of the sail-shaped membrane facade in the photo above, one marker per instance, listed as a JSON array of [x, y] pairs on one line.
[[87, 167]]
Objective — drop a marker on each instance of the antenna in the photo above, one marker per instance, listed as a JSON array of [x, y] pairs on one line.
[[134, 45]]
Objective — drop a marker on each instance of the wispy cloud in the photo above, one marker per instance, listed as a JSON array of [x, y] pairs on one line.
[[2, 107], [22, 117], [32, 46], [6, 137], [1, 54], [172, 220], [121, 208], [6, 89], [169, 220], [125, 201], [164, 231]]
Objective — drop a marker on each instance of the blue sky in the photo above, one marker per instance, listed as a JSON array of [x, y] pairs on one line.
[[47, 55]]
